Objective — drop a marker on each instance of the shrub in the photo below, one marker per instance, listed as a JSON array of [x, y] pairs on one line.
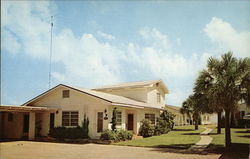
[[69, 133], [162, 127], [114, 119], [118, 135], [109, 135], [124, 135], [146, 129], [168, 117], [85, 127]]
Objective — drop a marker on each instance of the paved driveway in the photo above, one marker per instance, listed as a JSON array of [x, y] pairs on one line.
[[43, 150]]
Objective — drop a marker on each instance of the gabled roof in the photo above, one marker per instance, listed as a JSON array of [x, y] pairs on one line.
[[134, 84], [113, 99], [172, 107]]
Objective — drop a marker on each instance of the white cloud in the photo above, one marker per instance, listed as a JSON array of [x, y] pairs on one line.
[[105, 35], [9, 39], [226, 38], [89, 62]]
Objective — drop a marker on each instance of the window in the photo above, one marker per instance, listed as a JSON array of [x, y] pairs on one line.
[[119, 118], [10, 117], [65, 93], [70, 118], [158, 98], [150, 117], [99, 122]]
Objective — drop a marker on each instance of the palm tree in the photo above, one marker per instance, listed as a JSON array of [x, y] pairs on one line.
[[228, 82], [204, 83], [191, 108]]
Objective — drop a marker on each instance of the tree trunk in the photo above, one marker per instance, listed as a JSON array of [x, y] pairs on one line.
[[219, 122], [227, 130], [196, 125]]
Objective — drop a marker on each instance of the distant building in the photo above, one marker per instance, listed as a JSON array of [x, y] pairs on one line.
[[184, 119]]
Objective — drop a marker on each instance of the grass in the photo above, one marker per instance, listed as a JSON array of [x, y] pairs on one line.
[[181, 137], [239, 136]]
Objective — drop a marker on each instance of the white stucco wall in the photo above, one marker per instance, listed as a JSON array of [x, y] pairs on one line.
[[12, 129], [84, 104], [89, 105], [152, 97]]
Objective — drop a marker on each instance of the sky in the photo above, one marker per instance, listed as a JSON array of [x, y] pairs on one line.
[[97, 43]]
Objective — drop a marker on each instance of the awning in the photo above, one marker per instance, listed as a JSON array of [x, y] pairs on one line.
[[14, 108]]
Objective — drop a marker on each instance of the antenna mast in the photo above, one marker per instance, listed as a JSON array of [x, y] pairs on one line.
[[50, 50]]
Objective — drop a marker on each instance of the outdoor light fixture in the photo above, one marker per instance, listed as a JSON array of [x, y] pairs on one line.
[[106, 114]]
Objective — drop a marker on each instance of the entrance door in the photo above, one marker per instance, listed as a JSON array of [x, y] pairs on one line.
[[26, 123], [130, 122], [99, 122], [52, 120]]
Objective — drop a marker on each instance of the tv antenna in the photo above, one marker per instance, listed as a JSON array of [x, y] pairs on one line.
[[51, 26]]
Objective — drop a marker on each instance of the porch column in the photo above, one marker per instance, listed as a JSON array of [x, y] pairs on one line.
[[32, 125], [45, 123]]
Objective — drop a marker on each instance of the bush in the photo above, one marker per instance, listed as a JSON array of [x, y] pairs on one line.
[[146, 129], [109, 135], [168, 117], [69, 133], [124, 135], [162, 127], [118, 135]]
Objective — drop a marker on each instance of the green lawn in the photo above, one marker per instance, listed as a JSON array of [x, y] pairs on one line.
[[238, 135], [180, 137]]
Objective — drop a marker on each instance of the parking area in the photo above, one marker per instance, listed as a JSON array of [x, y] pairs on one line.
[[45, 150]]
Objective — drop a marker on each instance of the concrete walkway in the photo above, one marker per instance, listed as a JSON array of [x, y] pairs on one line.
[[205, 139]]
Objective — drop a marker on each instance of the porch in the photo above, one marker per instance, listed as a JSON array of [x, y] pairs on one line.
[[26, 122]]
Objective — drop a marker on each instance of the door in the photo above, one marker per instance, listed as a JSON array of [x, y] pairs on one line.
[[26, 123], [99, 122], [52, 120], [130, 122]]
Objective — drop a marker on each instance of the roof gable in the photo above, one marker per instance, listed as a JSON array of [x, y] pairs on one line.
[[113, 99], [135, 85]]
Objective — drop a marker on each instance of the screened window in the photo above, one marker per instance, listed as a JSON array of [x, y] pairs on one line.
[[65, 93], [119, 118], [70, 118], [158, 98], [150, 117]]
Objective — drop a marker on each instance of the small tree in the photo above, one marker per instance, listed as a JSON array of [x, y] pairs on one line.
[[168, 117], [114, 120], [85, 126]]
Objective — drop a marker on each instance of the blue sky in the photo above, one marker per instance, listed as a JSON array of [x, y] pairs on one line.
[[97, 43]]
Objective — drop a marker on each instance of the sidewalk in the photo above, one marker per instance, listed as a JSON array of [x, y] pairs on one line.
[[204, 141]]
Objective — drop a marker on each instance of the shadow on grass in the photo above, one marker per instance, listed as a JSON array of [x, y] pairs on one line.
[[190, 133], [175, 146], [213, 134], [246, 136], [182, 130], [245, 131]]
